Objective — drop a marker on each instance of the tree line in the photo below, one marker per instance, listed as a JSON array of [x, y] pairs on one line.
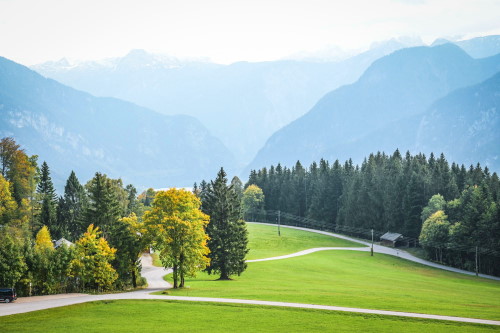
[[92, 236], [99, 217], [389, 193]]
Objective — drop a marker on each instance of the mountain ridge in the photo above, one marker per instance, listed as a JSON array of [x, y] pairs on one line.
[[75, 130], [243, 97], [403, 84]]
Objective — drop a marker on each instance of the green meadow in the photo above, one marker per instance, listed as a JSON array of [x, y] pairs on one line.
[[167, 316], [342, 278], [352, 279], [263, 241]]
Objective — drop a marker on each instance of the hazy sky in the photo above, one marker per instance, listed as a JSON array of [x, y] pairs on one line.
[[33, 31]]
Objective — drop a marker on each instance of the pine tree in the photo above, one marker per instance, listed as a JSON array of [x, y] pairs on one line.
[[70, 209], [48, 199], [228, 234], [132, 202], [103, 209], [237, 186]]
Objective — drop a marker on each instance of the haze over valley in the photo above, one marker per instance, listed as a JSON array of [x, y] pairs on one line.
[[174, 122]]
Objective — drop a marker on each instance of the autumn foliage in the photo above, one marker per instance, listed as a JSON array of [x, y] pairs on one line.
[[177, 227]]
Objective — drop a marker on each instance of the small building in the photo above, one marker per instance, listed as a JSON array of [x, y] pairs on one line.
[[63, 241], [391, 239]]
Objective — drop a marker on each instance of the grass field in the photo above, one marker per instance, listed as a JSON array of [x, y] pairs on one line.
[[344, 278], [165, 316], [265, 243], [354, 279]]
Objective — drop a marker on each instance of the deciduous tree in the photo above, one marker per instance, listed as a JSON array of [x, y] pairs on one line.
[[435, 233], [177, 228], [92, 263], [252, 202]]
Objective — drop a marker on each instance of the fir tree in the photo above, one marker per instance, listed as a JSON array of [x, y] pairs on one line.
[[228, 234], [70, 209], [237, 186], [103, 209], [132, 202], [48, 199]]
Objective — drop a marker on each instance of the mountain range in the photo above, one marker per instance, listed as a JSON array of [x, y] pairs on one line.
[[437, 99], [392, 106], [243, 103], [465, 124], [73, 130], [479, 47]]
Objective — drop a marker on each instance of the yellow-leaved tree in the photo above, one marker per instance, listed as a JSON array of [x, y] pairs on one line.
[[176, 226], [44, 281], [43, 240], [8, 205], [92, 261], [11, 213]]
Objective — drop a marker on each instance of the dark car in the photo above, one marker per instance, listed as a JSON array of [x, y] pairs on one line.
[[8, 294]]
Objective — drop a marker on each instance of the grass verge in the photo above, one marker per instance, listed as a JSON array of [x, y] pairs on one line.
[[156, 259]]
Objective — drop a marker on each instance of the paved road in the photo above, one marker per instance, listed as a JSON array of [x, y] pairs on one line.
[[153, 274], [14, 308], [308, 251], [384, 250]]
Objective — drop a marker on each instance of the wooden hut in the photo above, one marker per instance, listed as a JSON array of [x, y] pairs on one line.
[[390, 239]]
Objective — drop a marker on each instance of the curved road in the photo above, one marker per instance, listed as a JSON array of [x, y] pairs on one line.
[[376, 249], [154, 276], [308, 251]]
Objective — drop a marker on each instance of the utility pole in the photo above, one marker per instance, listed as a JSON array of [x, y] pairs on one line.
[[372, 244], [477, 269], [279, 220]]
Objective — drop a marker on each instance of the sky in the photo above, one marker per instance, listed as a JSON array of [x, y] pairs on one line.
[[226, 31]]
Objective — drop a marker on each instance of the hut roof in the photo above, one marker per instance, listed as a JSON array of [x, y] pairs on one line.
[[391, 236], [63, 241]]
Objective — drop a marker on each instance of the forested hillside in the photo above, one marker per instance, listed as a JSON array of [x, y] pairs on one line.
[[389, 193]]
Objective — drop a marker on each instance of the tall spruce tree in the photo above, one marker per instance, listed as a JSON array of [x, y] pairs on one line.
[[228, 234], [48, 199], [237, 186], [70, 209], [107, 204], [103, 209], [132, 202]]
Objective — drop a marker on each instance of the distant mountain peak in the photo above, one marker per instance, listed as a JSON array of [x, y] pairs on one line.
[[139, 58], [401, 41]]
